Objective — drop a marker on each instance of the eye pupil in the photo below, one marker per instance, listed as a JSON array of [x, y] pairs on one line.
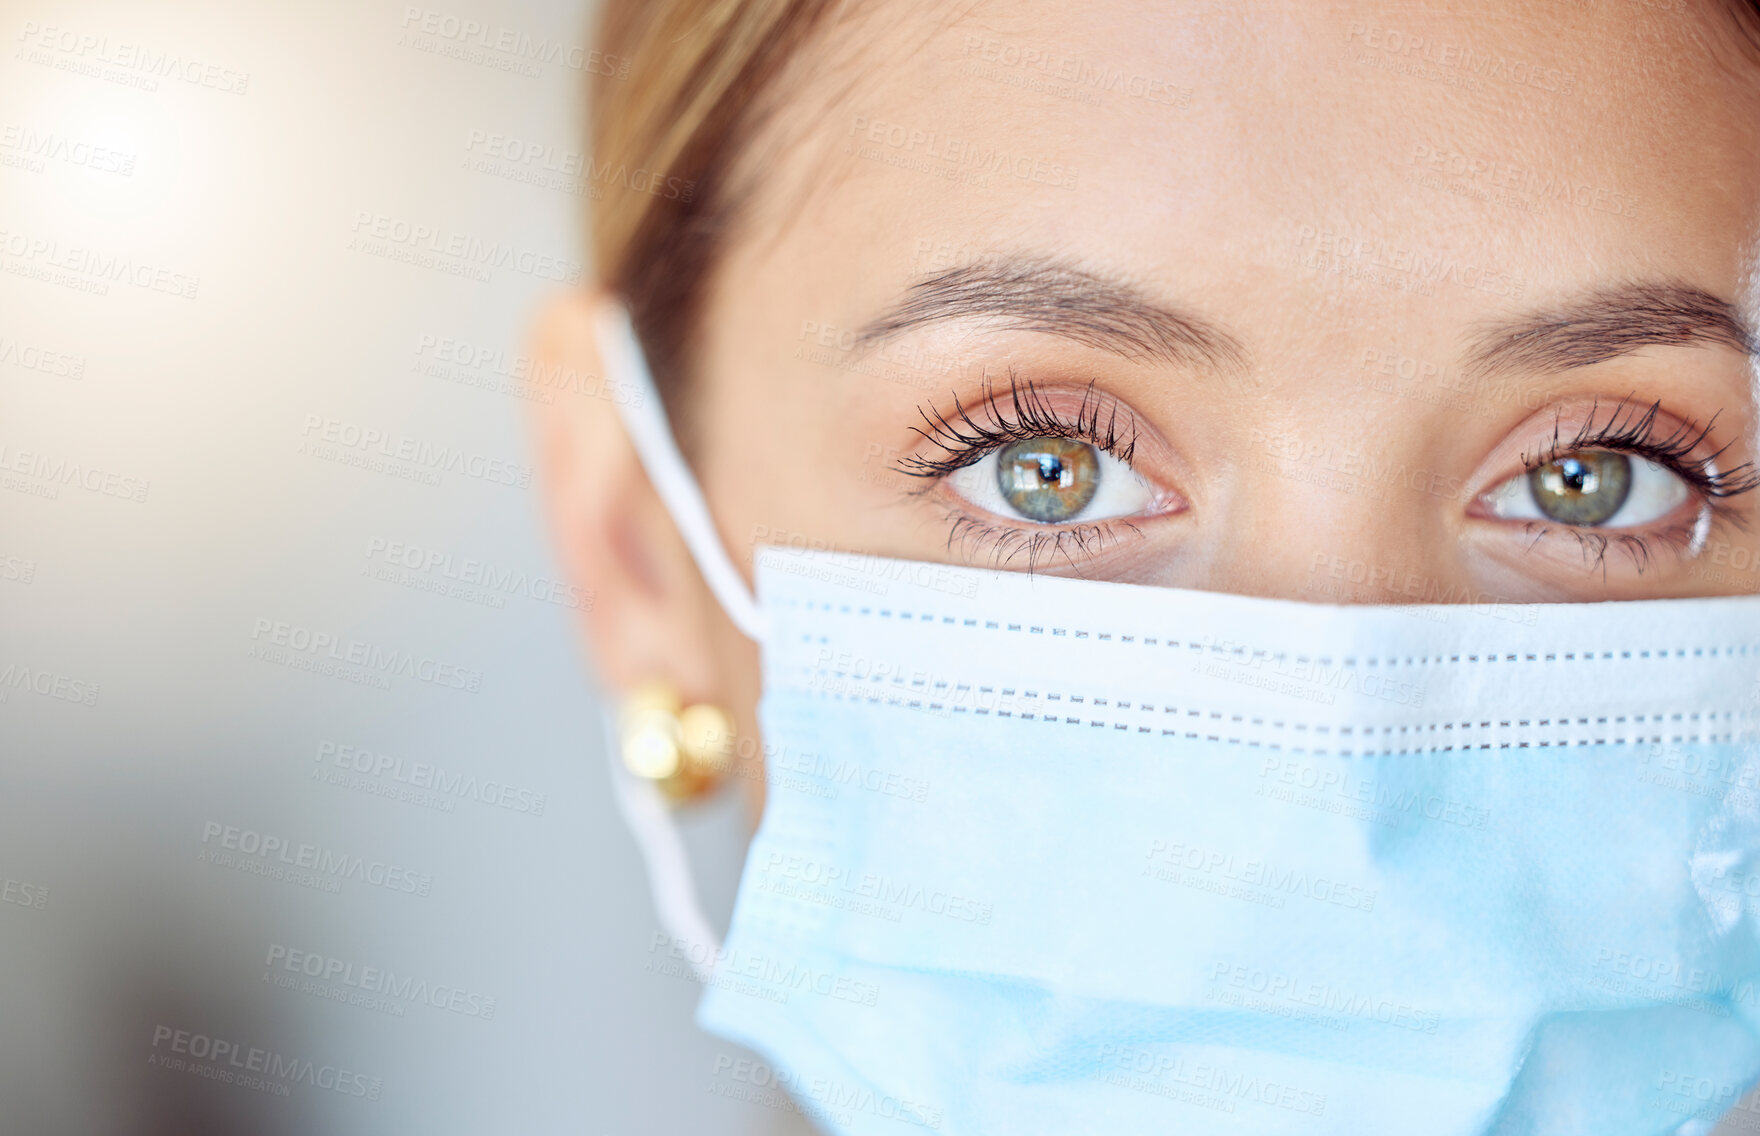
[[1050, 480], [1585, 488]]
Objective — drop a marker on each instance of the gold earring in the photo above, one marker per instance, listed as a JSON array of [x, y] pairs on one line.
[[685, 750]]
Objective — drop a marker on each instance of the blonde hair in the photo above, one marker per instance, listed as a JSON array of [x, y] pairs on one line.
[[667, 124]]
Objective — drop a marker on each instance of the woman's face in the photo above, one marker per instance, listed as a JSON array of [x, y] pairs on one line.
[[1354, 302]]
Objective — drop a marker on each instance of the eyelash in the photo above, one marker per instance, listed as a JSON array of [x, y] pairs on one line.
[[1034, 417], [965, 440], [1628, 431], [1631, 431]]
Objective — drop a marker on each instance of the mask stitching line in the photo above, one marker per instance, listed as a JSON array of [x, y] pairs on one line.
[[1529, 722], [1540, 743], [1675, 654], [811, 683]]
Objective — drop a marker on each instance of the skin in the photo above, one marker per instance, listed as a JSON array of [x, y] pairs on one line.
[[1290, 188]]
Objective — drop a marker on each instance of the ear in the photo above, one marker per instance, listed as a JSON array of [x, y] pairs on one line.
[[645, 611]]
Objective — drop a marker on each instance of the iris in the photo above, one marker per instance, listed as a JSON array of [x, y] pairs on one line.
[[1584, 488], [1049, 480]]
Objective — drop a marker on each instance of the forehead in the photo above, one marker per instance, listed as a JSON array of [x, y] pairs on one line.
[[1400, 156]]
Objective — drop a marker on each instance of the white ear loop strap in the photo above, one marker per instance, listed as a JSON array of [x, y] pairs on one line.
[[669, 868], [645, 419], [646, 813]]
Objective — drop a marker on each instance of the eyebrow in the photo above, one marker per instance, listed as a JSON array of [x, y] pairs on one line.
[[1045, 295], [1608, 324]]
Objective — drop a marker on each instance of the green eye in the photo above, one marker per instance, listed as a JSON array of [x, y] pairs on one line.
[[1049, 480], [1583, 488]]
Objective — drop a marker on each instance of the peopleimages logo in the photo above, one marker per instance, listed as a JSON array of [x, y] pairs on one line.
[[24, 894], [281, 642], [1267, 988], [472, 573], [822, 1098], [90, 269], [224, 1060], [496, 368], [511, 42], [376, 232], [1234, 659], [326, 437], [1303, 782], [48, 684], [372, 987], [816, 880], [1262, 879], [1696, 986], [776, 978], [84, 53], [266, 854], [33, 147], [54, 472], [36, 358], [1200, 1082], [432, 778]]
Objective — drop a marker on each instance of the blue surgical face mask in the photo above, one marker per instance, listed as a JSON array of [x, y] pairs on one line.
[[1052, 855]]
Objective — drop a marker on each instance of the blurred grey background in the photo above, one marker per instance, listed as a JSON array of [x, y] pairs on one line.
[[304, 817]]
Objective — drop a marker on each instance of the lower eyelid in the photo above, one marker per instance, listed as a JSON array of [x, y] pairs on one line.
[[1039, 544]]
